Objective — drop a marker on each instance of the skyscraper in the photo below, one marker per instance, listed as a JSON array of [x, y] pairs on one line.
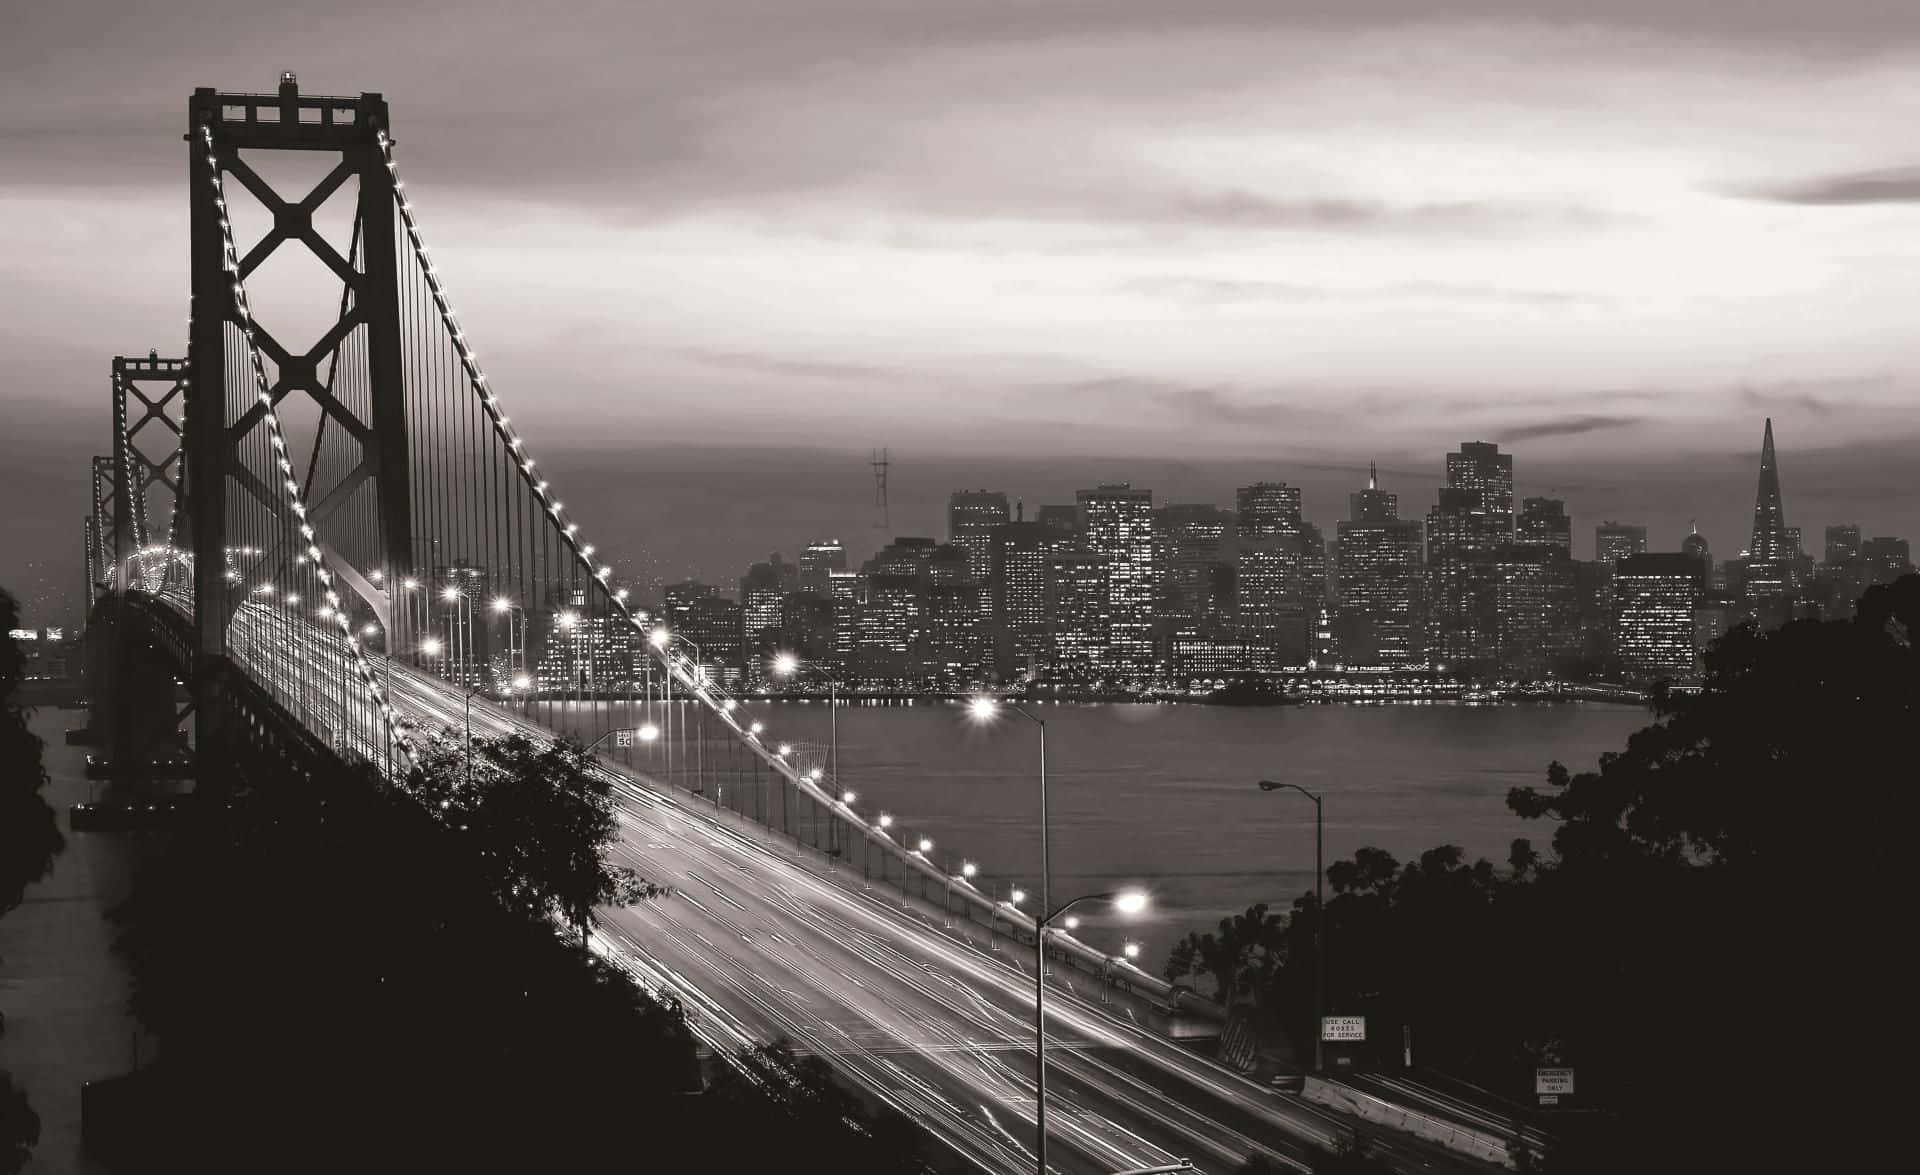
[[1769, 573], [1543, 522], [1269, 583], [971, 517], [1017, 583], [1379, 574], [1471, 522], [818, 561], [1078, 613], [1484, 469], [1843, 544], [1614, 541], [1653, 615], [1884, 560], [1193, 538], [1117, 522]]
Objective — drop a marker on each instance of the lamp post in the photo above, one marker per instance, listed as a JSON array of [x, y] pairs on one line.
[[983, 709], [462, 651], [1127, 902], [466, 748], [432, 646], [786, 665], [517, 655], [1319, 923]]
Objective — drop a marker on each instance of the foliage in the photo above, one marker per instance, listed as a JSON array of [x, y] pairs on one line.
[[1713, 941], [29, 832], [19, 1127], [336, 986], [1240, 958], [538, 817], [29, 841]]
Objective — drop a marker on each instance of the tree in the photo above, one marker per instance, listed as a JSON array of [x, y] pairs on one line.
[[19, 1127], [1239, 958], [29, 831], [29, 841], [538, 815]]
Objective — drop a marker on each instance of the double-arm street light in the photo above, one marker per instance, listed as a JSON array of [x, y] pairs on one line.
[[1127, 902], [1319, 924], [985, 709]]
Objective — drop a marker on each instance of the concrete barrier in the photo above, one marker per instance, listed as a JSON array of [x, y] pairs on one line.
[[1368, 1108]]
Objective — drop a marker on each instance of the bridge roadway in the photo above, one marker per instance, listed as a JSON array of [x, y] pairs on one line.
[[762, 940]]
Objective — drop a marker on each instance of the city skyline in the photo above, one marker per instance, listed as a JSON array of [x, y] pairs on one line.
[[1235, 257]]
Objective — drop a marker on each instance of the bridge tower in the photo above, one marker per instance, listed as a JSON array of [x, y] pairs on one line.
[[99, 526], [352, 375], [135, 472]]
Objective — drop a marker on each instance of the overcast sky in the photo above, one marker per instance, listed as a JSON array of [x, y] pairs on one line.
[[1227, 237]]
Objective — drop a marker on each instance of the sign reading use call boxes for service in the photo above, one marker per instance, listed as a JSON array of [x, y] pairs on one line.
[[1343, 1028], [1552, 1085]]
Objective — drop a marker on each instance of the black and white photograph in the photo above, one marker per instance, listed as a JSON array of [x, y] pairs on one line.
[[959, 587]]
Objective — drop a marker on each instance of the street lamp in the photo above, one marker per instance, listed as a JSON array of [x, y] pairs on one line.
[[463, 638], [505, 607], [985, 709], [1129, 902], [432, 646], [1319, 923], [786, 665]]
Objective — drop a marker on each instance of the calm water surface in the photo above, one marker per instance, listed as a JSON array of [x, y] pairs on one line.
[[1164, 796]]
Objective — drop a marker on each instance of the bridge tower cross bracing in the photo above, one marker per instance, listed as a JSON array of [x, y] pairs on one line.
[[135, 472], [221, 419]]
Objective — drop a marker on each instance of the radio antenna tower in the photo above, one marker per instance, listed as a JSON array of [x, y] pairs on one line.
[[877, 459]]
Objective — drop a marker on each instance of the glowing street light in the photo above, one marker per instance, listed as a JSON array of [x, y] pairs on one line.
[[1128, 902], [925, 846], [658, 638], [886, 821], [649, 732], [786, 665], [847, 797], [968, 869]]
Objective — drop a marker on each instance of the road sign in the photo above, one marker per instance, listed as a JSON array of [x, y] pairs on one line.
[[1552, 1083], [1343, 1028], [623, 739], [1549, 1099]]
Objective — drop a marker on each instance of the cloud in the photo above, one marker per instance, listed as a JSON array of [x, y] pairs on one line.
[[1227, 291], [773, 365], [1566, 426], [1242, 209], [1896, 185]]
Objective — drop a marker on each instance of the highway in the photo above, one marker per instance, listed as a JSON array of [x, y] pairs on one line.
[[762, 940]]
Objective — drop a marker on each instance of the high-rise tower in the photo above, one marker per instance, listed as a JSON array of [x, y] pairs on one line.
[[1769, 543], [1770, 573]]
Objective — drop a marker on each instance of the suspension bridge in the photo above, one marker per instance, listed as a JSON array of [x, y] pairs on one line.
[[321, 554]]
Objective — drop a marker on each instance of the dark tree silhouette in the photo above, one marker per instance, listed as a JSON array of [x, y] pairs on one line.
[[539, 819], [1240, 958], [19, 1127], [29, 832], [1716, 941], [29, 841]]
